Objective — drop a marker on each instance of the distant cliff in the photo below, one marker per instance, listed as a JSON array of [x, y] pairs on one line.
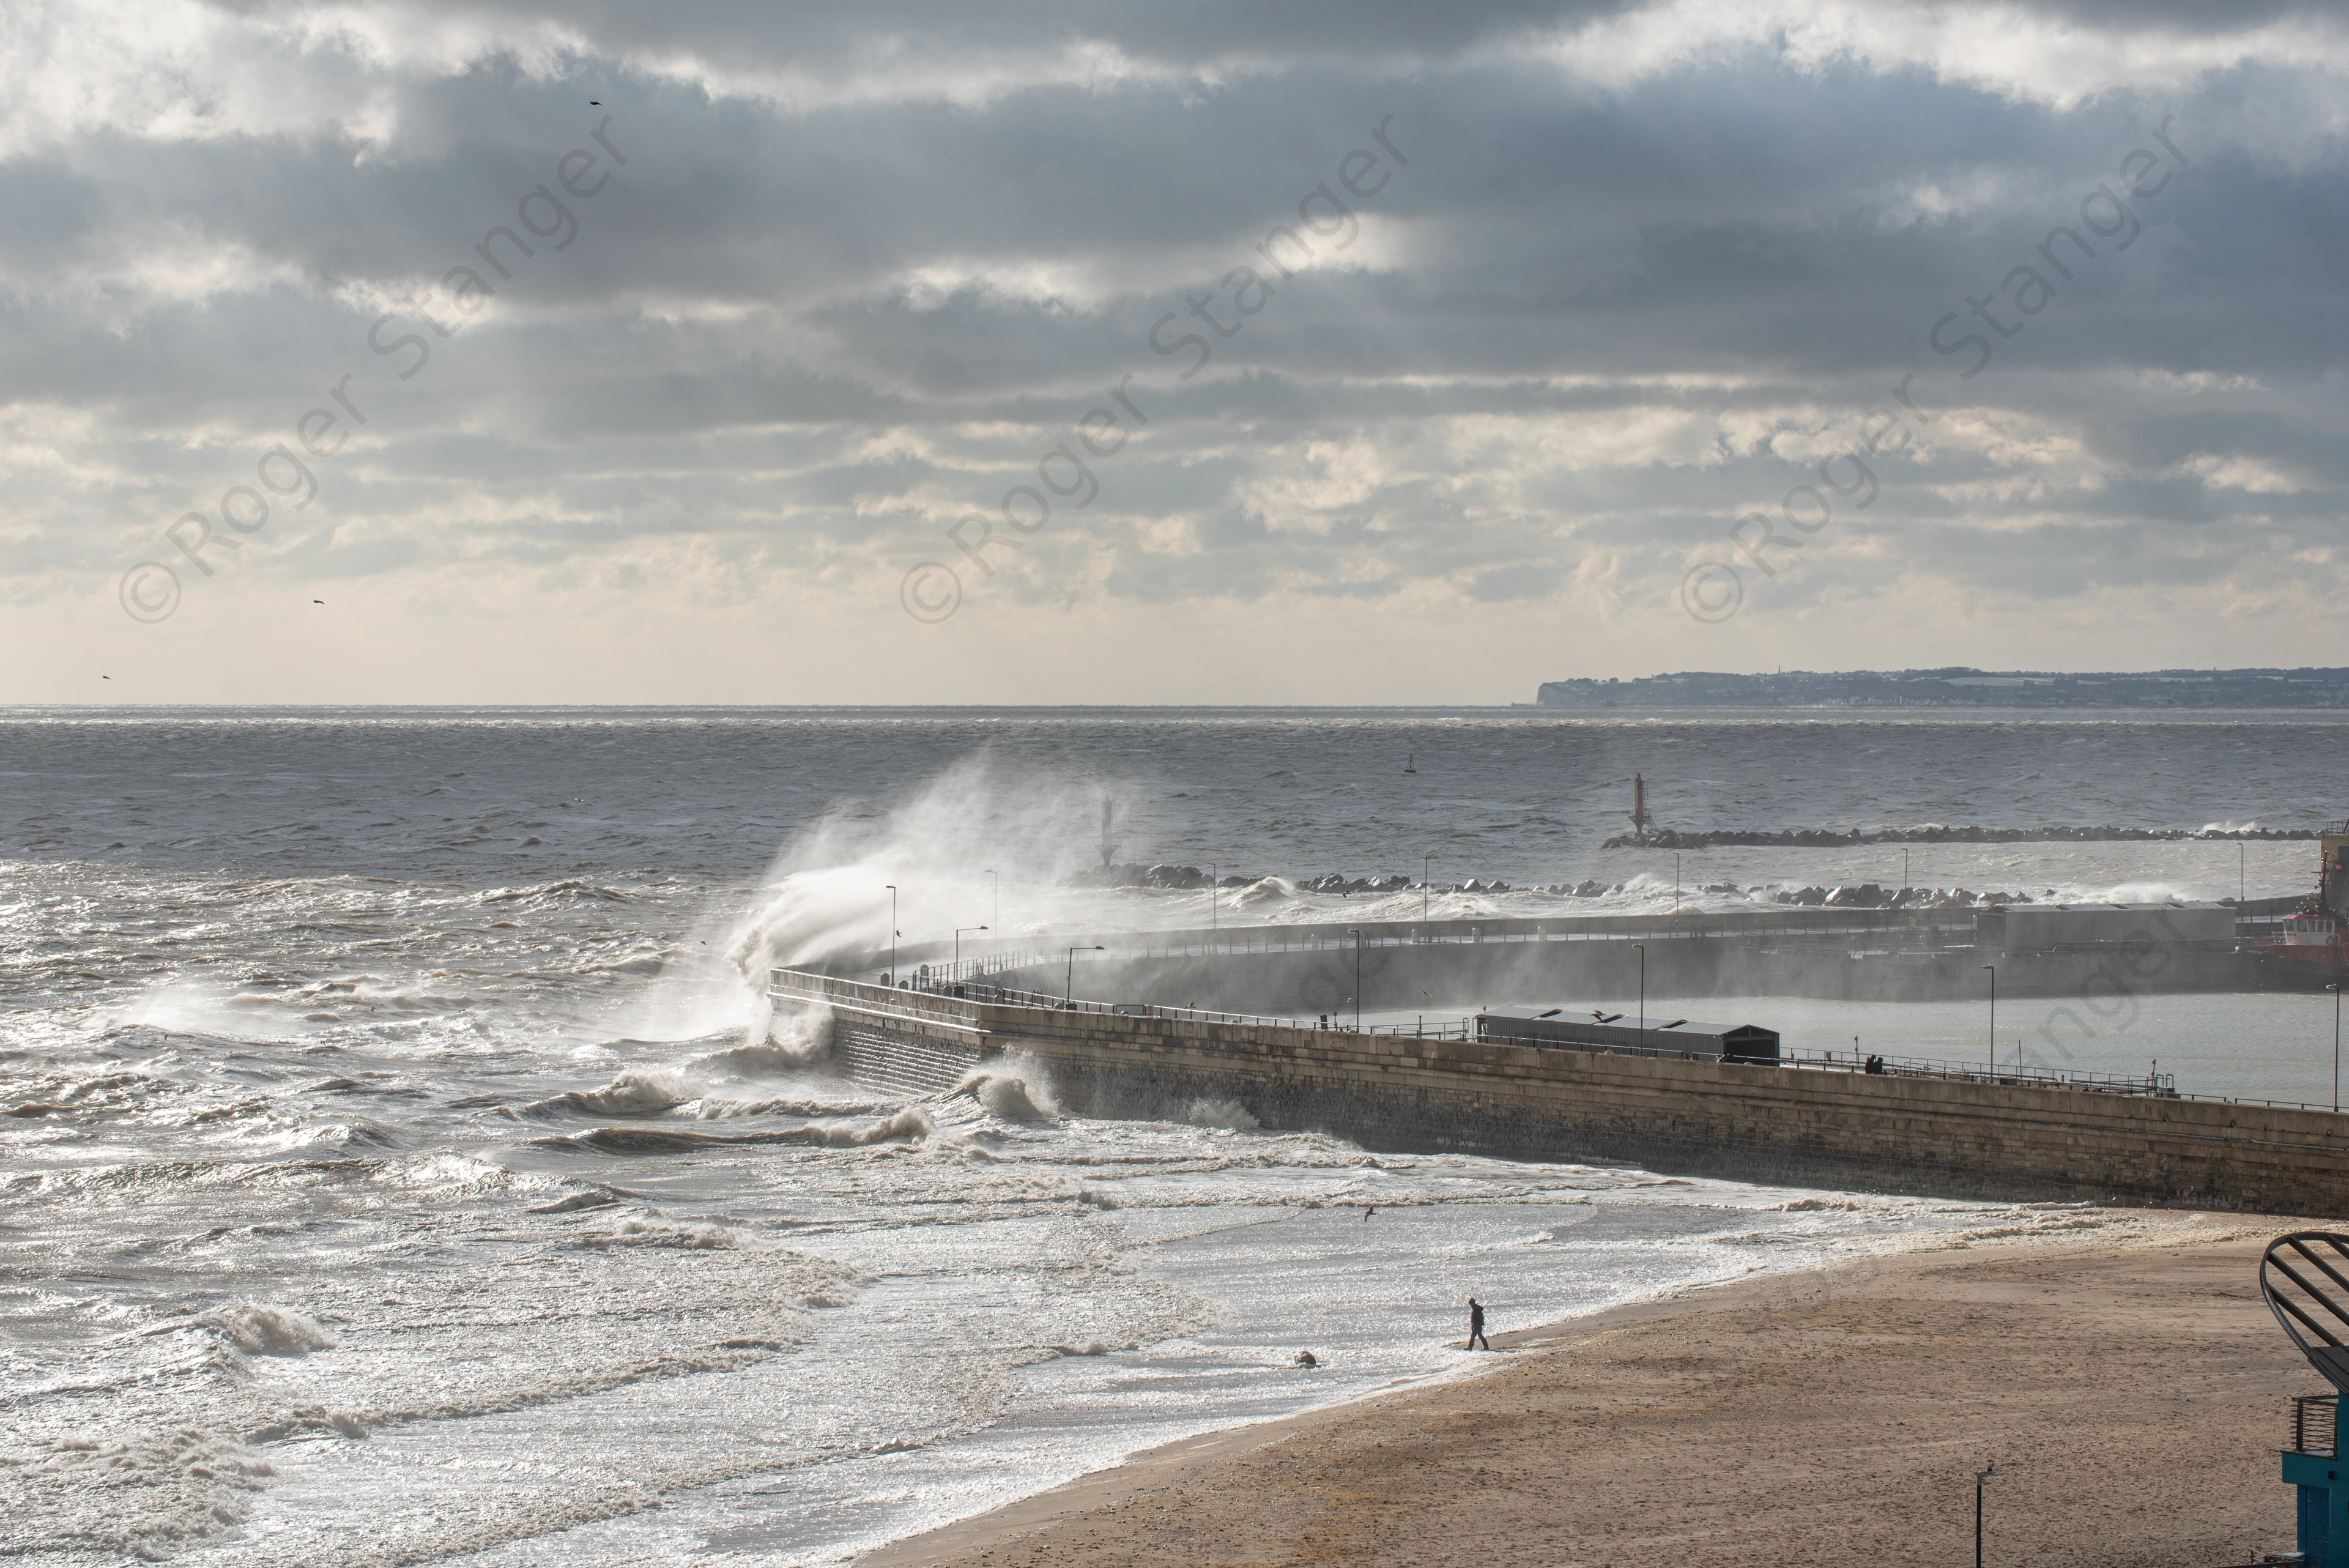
[[1960, 688]]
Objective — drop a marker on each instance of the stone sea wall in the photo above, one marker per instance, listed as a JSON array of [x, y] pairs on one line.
[[1690, 1116]]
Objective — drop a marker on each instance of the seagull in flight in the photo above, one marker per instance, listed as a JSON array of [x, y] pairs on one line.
[[318, 601]]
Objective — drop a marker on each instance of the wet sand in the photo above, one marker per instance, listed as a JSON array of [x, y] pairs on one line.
[[2133, 1393]]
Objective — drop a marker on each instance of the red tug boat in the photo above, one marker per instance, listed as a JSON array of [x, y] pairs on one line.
[[2314, 939]]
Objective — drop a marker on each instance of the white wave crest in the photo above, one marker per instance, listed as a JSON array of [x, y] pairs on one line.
[[690, 1236], [1227, 1113], [787, 1043], [1013, 1099], [569, 887], [257, 1329], [1266, 890], [140, 1498], [632, 1093]]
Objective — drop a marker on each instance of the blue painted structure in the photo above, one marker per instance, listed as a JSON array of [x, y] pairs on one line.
[[2313, 1464], [2305, 1277]]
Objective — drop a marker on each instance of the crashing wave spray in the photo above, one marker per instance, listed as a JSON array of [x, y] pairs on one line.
[[825, 901]]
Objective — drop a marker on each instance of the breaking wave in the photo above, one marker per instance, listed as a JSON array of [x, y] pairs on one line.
[[689, 1236], [632, 1093], [1227, 1113], [1013, 1099], [262, 1330], [907, 1126]]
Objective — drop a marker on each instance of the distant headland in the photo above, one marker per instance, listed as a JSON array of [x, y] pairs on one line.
[[1958, 686]]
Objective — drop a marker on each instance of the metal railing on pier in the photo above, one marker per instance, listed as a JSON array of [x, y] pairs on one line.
[[1827, 926], [2162, 1086], [1279, 939], [1006, 996]]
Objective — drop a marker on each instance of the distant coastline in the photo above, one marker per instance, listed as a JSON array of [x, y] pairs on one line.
[[1960, 687]]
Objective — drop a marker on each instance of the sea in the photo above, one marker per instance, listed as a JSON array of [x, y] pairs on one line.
[[398, 1163]]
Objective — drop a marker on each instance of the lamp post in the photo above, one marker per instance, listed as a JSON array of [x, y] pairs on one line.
[[2242, 871], [1993, 1018], [959, 931], [1423, 890], [1213, 898], [1355, 932], [1981, 1476], [2336, 989], [892, 933], [998, 883], [1072, 997], [1676, 881], [1642, 947]]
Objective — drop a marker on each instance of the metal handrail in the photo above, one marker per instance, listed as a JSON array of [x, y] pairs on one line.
[[1468, 932], [2159, 1084], [1006, 996], [1322, 941]]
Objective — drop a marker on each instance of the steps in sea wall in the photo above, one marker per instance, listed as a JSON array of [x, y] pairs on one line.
[[887, 1060]]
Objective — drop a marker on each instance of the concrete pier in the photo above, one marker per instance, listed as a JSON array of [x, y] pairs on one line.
[[1745, 1122]]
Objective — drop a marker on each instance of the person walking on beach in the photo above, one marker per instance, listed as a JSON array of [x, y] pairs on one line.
[[1476, 1326]]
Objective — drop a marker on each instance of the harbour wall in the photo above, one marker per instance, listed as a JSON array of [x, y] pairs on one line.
[[1448, 978], [1455, 966], [1691, 1116]]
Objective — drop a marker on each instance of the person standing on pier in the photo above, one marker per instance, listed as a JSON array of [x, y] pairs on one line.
[[1476, 1326]]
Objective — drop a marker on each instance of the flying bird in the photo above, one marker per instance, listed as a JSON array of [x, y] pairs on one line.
[[318, 601], [594, 103]]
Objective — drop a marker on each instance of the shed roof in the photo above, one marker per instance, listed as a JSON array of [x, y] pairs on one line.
[[1585, 1023]]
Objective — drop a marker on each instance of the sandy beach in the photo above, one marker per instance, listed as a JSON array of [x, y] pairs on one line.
[[2131, 1389]]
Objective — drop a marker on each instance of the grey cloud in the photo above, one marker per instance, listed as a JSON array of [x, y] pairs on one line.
[[804, 338]]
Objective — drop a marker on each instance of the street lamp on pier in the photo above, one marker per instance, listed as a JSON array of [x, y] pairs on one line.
[[1071, 998], [1355, 932], [892, 933], [1993, 1018], [998, 884], [2336, 989], [1641, 948], [1215, 897], [957, 950]]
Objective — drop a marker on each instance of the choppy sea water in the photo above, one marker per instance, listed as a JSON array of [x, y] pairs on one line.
[[398, 1164]]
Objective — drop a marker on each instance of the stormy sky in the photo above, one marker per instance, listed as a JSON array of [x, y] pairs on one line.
[[917, 352]]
